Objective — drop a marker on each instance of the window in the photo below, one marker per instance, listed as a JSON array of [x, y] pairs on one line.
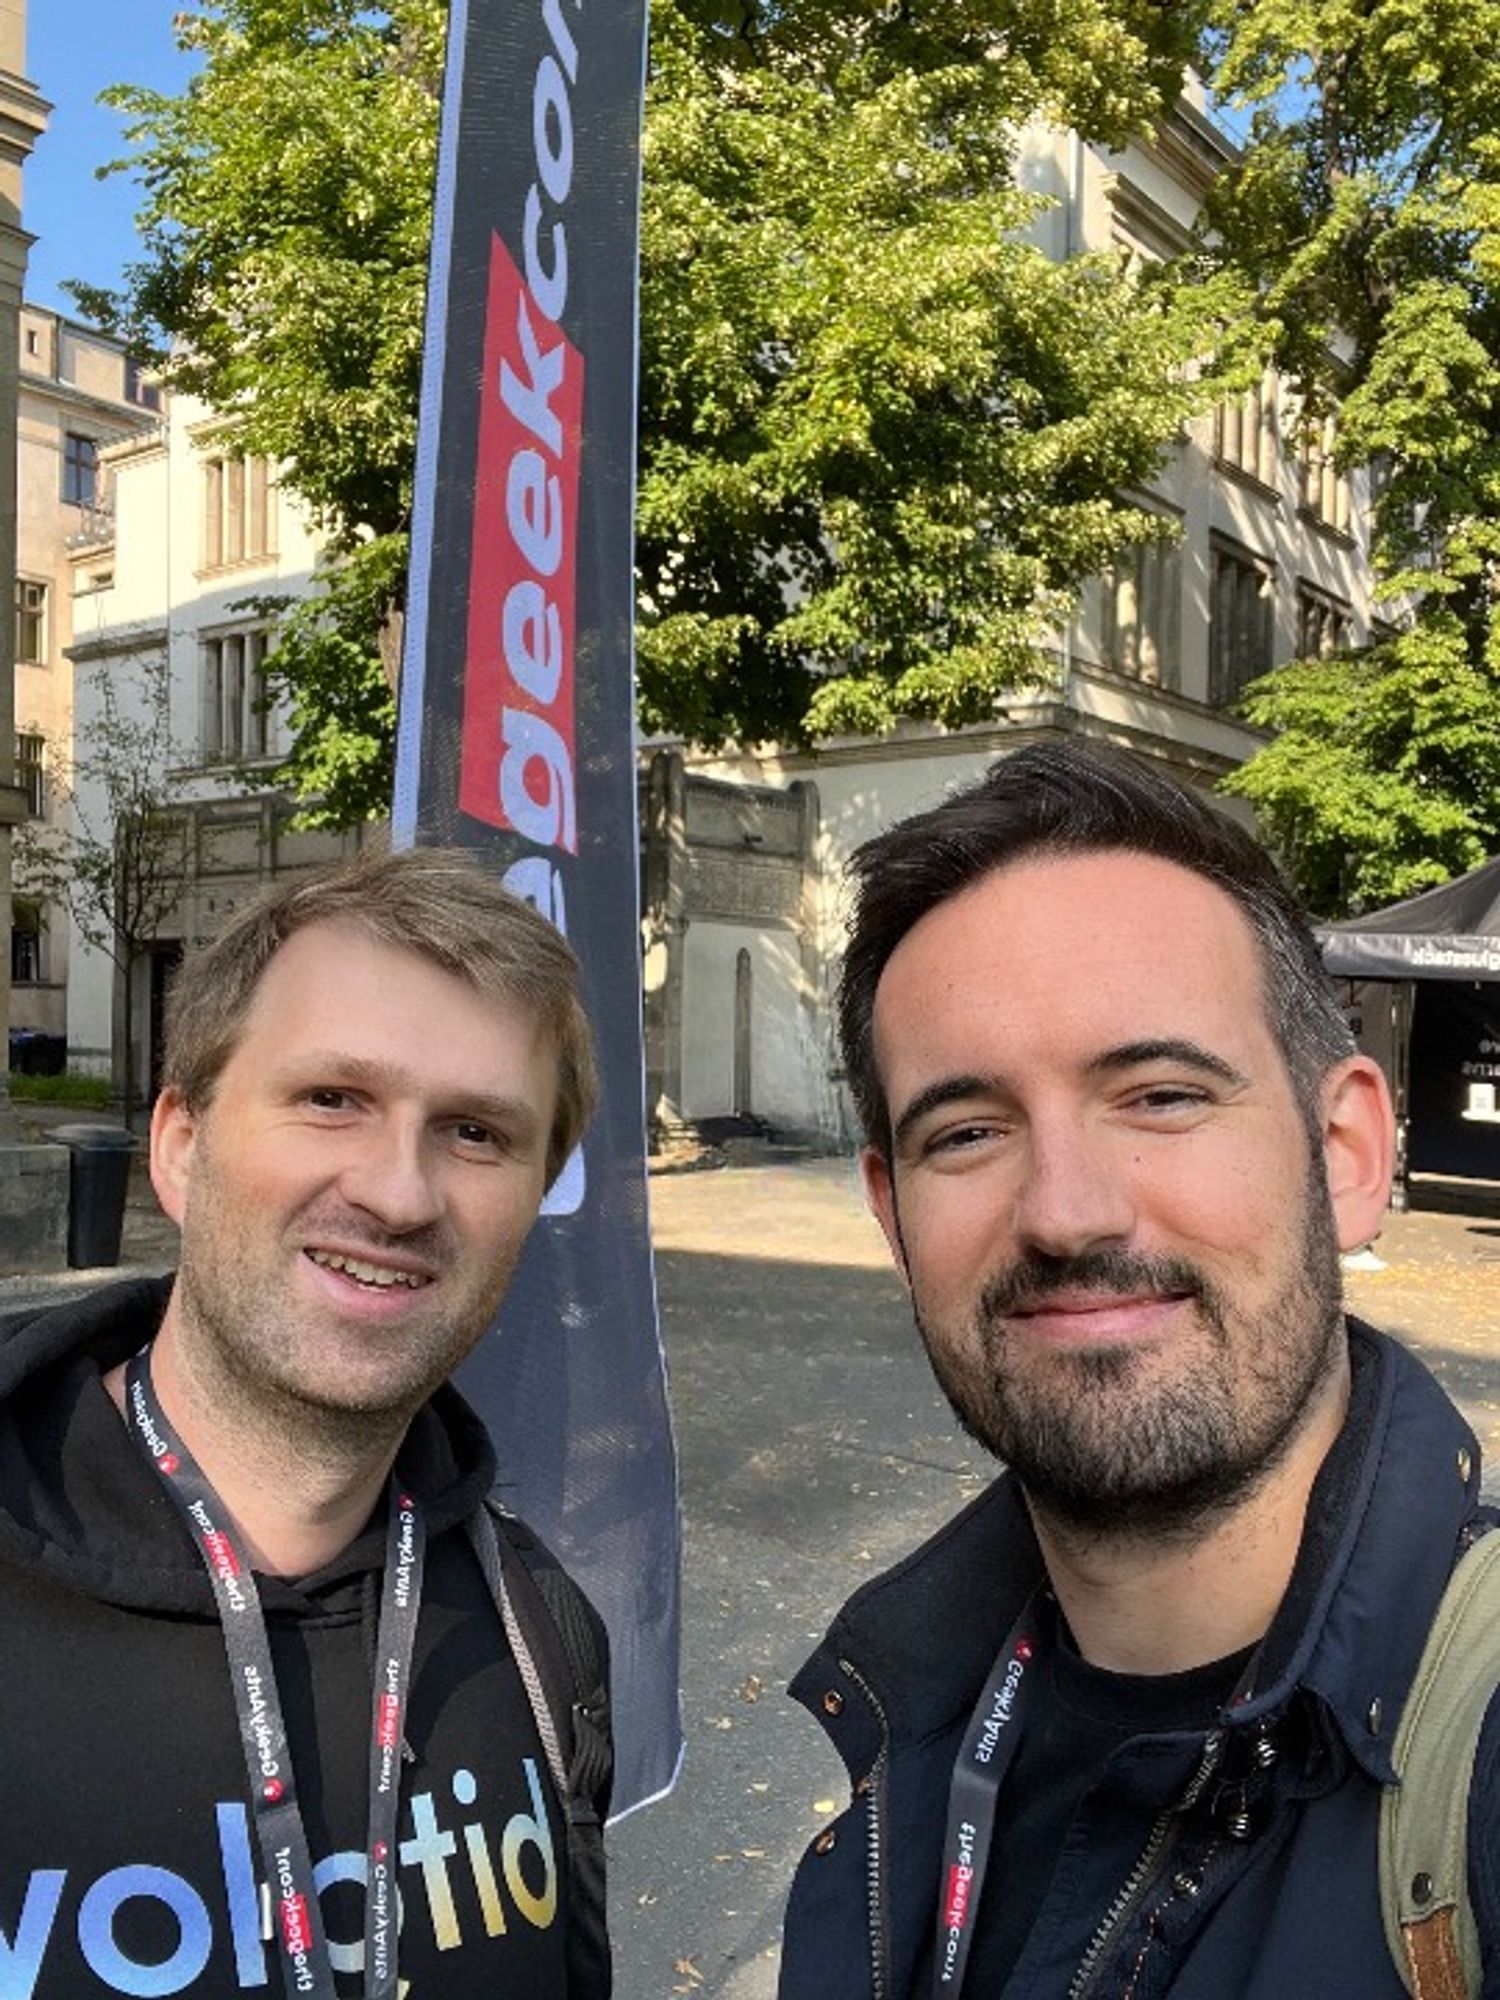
[[1323, 493], [26, 936], [1241, 621], [238, 511], [31, 623], [80, 470], [236, 724], [31, 772], [1143, 598], [138, 389], [1324, 623], [33, 341], [1245, 432]]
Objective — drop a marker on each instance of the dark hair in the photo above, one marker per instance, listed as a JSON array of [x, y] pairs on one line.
[[1070, 798], [436, 902]]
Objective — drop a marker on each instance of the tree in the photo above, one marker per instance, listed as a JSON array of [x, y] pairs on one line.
[[1366, 213], [285, 230], [883, 437], [117, 860]]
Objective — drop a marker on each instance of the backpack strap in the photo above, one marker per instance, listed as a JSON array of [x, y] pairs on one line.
[[1424, 1819], [561, 1652]]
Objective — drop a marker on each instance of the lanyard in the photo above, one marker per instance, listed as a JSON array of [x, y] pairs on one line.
[[991, 1740], [305, 1962], [985, 1757]]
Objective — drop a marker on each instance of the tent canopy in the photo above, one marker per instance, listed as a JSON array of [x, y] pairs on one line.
[[1452, 932]]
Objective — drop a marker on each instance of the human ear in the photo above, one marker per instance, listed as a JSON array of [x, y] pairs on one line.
[[877, 1174], [1359, 1147], [174, 1131]]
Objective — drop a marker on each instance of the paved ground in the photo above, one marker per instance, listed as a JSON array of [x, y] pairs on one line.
[[814, 1451]]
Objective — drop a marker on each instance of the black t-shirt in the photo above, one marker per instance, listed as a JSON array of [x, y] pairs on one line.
[[1078, 1715]]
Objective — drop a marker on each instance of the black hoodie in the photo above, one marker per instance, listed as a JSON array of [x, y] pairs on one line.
[[127, 1859]]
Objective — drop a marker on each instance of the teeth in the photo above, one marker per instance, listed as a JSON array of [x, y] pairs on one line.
[[379, 1275]]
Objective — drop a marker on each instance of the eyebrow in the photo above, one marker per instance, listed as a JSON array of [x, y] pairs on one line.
[[335, 1067], [947, 1090], [1173, 1049], [1128, 1055]]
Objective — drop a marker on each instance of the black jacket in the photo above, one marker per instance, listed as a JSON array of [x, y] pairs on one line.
[[127, 1861], [1264, 1886]]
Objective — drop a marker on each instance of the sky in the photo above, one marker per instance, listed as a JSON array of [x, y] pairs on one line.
[[74, 48]]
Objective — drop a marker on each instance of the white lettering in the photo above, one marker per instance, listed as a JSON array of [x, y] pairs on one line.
[[532, 632], [532, 742], [528, 402]]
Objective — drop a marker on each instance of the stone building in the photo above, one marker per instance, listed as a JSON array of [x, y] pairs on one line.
[[77, 394], [163, 617], [33, 1179]]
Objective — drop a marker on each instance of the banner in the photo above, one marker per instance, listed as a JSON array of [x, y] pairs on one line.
[[516, 739]]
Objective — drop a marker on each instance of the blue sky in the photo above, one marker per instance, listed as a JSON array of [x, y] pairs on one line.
[[74, 48]]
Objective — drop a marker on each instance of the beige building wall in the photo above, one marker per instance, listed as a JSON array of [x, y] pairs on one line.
[[78, 395], [196, 528]]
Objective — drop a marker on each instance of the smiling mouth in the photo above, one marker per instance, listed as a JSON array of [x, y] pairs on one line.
[[379, 1277]]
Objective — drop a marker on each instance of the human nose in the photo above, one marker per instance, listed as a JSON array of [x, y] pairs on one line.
[[391, 1177], [1074, 1195]]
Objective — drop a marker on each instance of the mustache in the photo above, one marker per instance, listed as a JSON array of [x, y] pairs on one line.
[[1037, 1277], [431, 1241]]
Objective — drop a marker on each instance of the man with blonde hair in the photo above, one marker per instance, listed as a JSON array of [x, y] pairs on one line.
[[295, 1707]]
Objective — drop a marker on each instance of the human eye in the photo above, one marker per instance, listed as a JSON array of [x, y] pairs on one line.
[[327, 1097], [1166, 1102], [959, 1140], [478, 1137]]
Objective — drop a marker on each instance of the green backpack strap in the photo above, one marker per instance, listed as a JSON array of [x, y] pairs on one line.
[[1424, 1820]]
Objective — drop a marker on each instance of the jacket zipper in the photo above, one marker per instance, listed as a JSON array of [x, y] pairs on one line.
[[874, 1834], [1146, 1869]]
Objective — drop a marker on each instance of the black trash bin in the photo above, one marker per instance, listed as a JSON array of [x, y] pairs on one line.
[[99, 1174]]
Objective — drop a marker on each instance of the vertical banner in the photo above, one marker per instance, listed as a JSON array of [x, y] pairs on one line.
[[516, 739]]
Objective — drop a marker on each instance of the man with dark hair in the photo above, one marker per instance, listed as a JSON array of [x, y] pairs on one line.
[[1122, 1728], [294, 1708]]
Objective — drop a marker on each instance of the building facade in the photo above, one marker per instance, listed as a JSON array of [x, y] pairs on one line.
[[168, 645], [77, 394]]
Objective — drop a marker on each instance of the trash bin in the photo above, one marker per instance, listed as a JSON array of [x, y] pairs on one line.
[[23, 1051], [98, 1175]]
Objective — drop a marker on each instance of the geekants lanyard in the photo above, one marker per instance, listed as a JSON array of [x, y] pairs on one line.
[[984, 1760], [305, 1962]]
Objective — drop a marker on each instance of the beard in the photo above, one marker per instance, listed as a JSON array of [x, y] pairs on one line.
[[278, 1362], [1107, 1443]]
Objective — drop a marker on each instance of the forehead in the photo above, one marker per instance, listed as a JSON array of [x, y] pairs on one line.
[[1101, 947], [332, 985]]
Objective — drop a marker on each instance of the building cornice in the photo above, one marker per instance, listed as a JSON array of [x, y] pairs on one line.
[[115, 642], [52, 389], [23, 117]]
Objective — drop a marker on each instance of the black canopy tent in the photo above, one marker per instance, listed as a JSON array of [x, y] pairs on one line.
[[1452, 932], [1437, 958]]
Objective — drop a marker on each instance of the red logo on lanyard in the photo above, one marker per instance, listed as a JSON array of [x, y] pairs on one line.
[[169, 1462], [956, 1903], [272, 1790], [387, 1721], [1023, 1650]]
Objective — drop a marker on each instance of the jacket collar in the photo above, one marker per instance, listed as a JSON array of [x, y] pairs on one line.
[[1384, 1521]]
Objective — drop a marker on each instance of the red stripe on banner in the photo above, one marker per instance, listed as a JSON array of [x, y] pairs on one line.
[[518, 761]]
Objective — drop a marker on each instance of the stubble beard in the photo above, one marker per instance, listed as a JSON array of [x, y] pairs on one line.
[[1100, 1447], [258, 1355]]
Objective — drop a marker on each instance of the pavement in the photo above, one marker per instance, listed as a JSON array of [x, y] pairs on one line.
[[815, 1450]]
